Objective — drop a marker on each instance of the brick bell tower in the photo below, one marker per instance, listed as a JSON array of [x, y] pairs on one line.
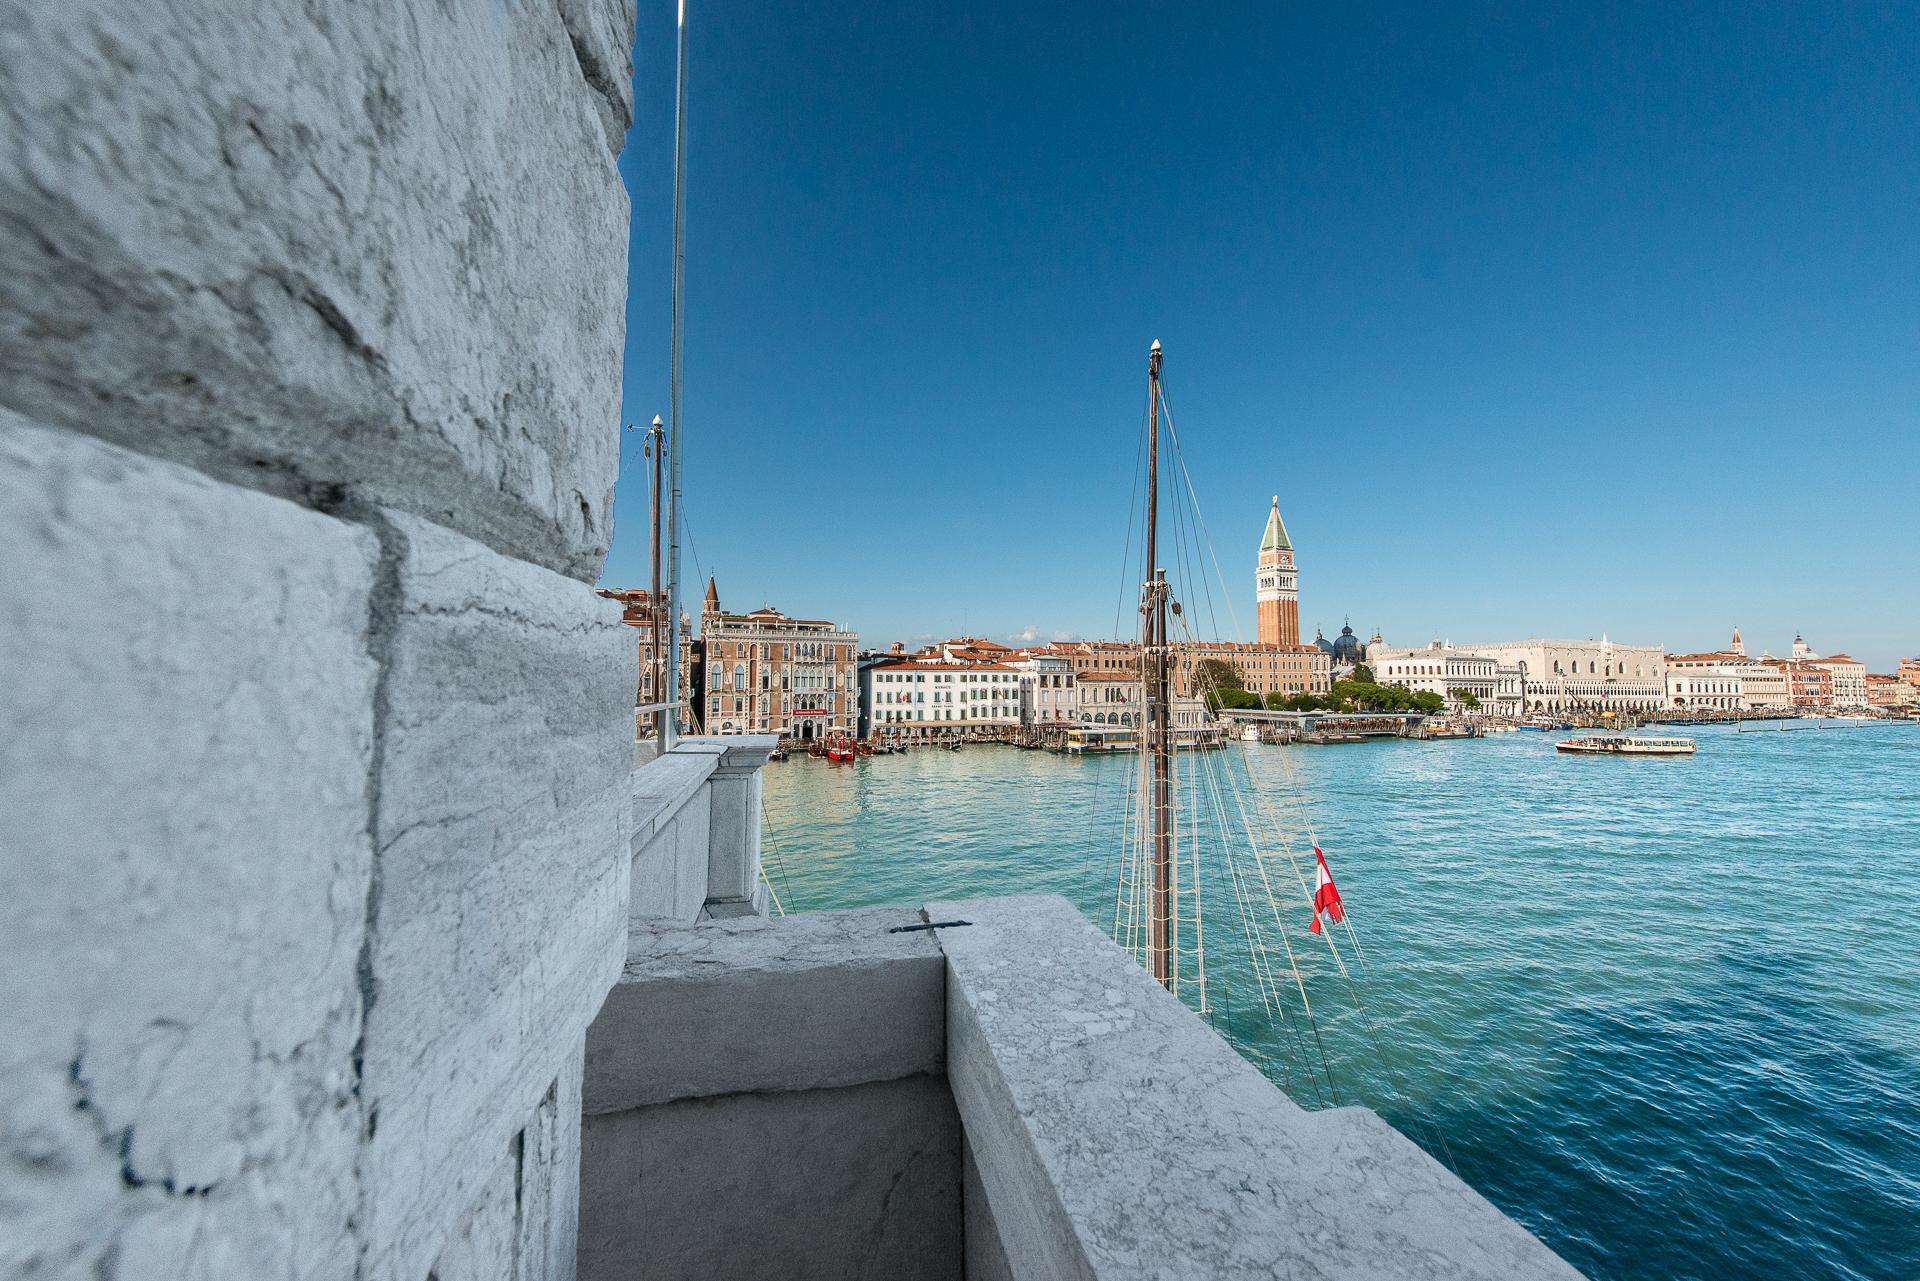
[[1278, 592]]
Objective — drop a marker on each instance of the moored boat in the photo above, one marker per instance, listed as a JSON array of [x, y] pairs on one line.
[[1625, 745]]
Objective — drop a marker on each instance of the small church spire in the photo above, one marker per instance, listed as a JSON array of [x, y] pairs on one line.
[[711, 605]]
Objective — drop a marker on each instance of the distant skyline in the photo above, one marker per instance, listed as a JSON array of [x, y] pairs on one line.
[[1540, 320]]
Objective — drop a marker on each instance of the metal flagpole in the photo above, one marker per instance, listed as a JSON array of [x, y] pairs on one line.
[[656, 442], [671, 721]]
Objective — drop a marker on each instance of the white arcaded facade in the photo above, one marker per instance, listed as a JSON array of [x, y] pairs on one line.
[[1585, 676], [1441, 669]]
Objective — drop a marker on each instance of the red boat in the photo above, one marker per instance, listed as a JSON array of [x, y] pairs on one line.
[[840, 750]]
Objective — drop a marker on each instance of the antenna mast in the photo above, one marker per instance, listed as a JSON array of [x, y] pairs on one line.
[[1158, 762]]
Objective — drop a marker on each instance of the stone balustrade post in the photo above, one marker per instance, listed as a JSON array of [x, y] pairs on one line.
[[733, 842]]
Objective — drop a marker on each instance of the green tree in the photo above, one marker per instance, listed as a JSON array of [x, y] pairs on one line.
[[1363, 673], [1294, 702], [1232, 699], [1210, 674], [1428, 702], [1466, 699]]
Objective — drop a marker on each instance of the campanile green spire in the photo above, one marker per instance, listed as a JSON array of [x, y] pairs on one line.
[[1276, 535]]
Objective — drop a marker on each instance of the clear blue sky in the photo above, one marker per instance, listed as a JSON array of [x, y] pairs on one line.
[[1540, 320]]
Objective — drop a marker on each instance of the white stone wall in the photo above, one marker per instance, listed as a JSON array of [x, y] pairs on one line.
[[314, 834]]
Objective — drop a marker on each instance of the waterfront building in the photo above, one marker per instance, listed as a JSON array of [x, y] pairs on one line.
[[766, 673], [1705, 682], [1277, 584], [1264, 669], [967, 649], [923, 696], [1585, 676], [1909, 673], [638, 610], [1726, 680], [1763, 684], [1046, 692], [1890, 693], [1809, 685], [1092, 656], [1849, 680], [1112, 699], [1439, 668]]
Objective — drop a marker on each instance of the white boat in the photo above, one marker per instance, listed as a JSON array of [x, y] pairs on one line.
[[1626, 745]]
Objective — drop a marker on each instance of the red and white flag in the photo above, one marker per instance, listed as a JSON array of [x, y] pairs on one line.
[[1326, 897]]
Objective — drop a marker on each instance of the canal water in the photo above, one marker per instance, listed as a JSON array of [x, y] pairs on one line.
[[1665, 1013]]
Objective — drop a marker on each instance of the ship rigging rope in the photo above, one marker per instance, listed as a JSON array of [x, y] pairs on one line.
[[1190, 539], [1279, 920], [1186, 476], [1259, 952], [1205, 791], [779, 861], [1133, 505], [1394, 1083]]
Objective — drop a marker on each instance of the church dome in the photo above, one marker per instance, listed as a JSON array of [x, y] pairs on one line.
[[1346, 647]]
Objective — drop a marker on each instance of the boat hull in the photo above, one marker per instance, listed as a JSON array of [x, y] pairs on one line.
[[1626, 747]]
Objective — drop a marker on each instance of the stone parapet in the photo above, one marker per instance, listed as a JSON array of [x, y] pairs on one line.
[[1105, 1131], [696, 831], [1118, 1136], [767, 1098], [803, 1002]]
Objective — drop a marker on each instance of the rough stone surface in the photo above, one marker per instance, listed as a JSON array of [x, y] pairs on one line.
[[601, 32], [671, 820], [861, 1183], [482, 1245], [185, 739], [986, 1254], [1117, 1136], [500, 913], [522, 1224], [752, 1004], [328, 250], [550, 1181]]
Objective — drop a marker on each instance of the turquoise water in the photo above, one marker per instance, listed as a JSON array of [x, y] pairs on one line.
[[1666, 1013]]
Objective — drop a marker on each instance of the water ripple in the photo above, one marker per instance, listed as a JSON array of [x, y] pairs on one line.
[[1664, 1013]]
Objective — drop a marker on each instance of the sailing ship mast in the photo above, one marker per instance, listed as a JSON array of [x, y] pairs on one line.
[[1222, 835], [1157, 760]]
